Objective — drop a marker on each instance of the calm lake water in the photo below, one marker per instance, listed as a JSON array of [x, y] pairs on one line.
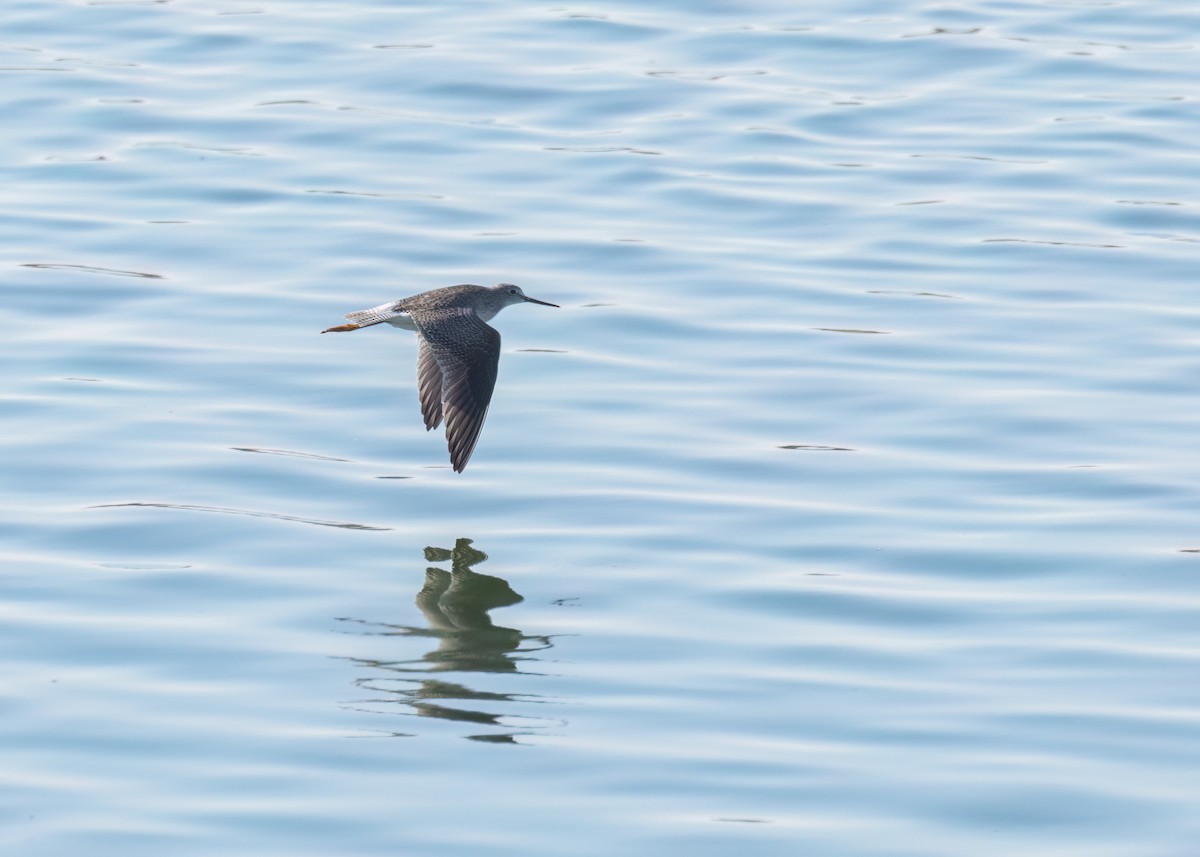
[[850, 506]]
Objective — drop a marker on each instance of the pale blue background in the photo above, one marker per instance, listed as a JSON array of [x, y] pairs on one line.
[[956, 242]]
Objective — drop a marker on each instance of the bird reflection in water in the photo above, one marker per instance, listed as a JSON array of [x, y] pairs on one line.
[[456, 605]]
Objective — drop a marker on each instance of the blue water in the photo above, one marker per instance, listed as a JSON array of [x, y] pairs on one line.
[[848, 507]]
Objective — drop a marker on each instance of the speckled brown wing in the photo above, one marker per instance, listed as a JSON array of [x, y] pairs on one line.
[[429, 384], [467, 353]]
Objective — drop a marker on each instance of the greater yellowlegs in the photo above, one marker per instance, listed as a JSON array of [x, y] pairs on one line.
[[458, 355]]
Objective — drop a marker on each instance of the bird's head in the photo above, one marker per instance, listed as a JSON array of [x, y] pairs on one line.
[[513, 295]]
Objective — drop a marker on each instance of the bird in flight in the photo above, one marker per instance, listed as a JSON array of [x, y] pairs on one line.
[[458, 354]]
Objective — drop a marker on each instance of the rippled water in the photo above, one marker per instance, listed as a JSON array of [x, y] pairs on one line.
[[847, 507]]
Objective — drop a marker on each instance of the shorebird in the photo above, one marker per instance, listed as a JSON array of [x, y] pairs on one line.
[[458, 355]]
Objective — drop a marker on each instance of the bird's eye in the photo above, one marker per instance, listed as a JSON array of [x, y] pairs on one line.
[[512, 291]]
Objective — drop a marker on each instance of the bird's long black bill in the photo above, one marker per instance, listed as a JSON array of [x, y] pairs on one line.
[[543, 303]]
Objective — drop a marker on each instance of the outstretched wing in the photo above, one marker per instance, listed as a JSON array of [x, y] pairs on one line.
[[429, 384], [467, 351]]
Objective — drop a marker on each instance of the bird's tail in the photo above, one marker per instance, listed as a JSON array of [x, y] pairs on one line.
[[367, 317]]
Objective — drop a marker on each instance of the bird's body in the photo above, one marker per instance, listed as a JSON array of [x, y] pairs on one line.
[[458, 356]]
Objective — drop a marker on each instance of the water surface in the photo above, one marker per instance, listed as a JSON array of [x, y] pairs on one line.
[[847, 506]]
